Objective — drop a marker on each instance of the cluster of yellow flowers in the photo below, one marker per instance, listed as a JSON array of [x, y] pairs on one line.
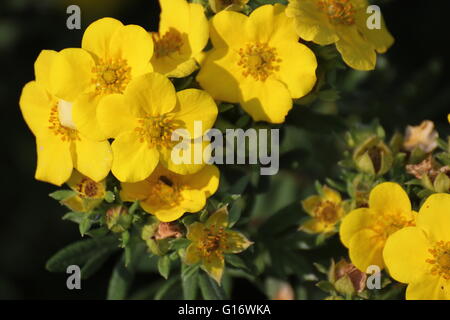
[[110, 106]]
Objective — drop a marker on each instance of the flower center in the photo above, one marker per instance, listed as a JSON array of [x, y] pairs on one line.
[[169, 43], [327, 212], [157, 131], [338, 11], [215, 241], [61, 121], [441, 259], [88, 188], [111, 76], [387, 224], [165, 191], [258, 60]]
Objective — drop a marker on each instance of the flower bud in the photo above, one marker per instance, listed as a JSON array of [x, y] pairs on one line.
[[118, 219], [346, 278], [373, 156]]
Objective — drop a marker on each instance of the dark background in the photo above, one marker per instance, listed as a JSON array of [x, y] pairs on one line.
[[411, 84]]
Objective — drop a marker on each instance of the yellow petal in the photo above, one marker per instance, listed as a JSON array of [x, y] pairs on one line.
[[331, 194], [266, 101], [97, 37], [434, 217], [214, 266], [365, 249], [135, 45], [198, 28], [54, 160], [174, 14], [114, 115], [297, 68], [195, 231], [135, 191], [172, 158], [429, 287], [405, 254], [236, 242], [151, 93], [35, 104], [42, 67], [193, 254], [269, 23], [311, 23], [310, 204], [391, 198], [196, 106], [205, 180], [218, 219], [228, 29], [354, 222], [381, 39], [93, 158], [182, 69], [71, 74], [84, 114], [192, 201], [313, 226], [355, 50], [163, 214], [133, 160], [220, 75]]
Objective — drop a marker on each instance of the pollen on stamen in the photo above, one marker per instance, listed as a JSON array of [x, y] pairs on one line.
[[169, 43], [156, 131], [65, 133], [258, 60], [111, 76], [440, 263], [338, 11]]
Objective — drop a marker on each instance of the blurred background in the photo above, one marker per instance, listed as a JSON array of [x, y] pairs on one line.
[[411, 84]]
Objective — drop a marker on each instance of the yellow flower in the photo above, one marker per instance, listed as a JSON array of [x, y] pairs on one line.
[[365, 230], [343, 22], [168, 195], [89, 194], [182, 35], [211, 240], [258, 62], [325, 210], [111, 56], [143, 119], [219, 5], [60, 147], [420, 255]]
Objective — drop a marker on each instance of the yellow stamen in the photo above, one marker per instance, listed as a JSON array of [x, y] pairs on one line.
[[327, 212], [441, 259], [112, 76], [88, 188], [258, 60], [338, 11], [166, 191], [67, 134], [167, 44], [214, 243], [157, 131], [389, 223]]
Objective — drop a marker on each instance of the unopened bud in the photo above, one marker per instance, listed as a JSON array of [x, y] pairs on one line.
[[118, 219], [373, 156]]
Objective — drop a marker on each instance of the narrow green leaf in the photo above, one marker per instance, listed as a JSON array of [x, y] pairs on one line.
[[76, 217], [164, 266], [189, 281], [96, 262], [120, 281], [62, 194], [210, 289], [79, 253]]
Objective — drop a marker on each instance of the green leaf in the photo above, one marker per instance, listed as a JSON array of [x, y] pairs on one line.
[[164, 266], [325, 286], [85, 225], [236, 261], [189, 281], [110, 197], [79, 253], [76, 217], [210, 289], [235, 212], [134, 207], [96, 262], [120, 281], [62, 194]]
